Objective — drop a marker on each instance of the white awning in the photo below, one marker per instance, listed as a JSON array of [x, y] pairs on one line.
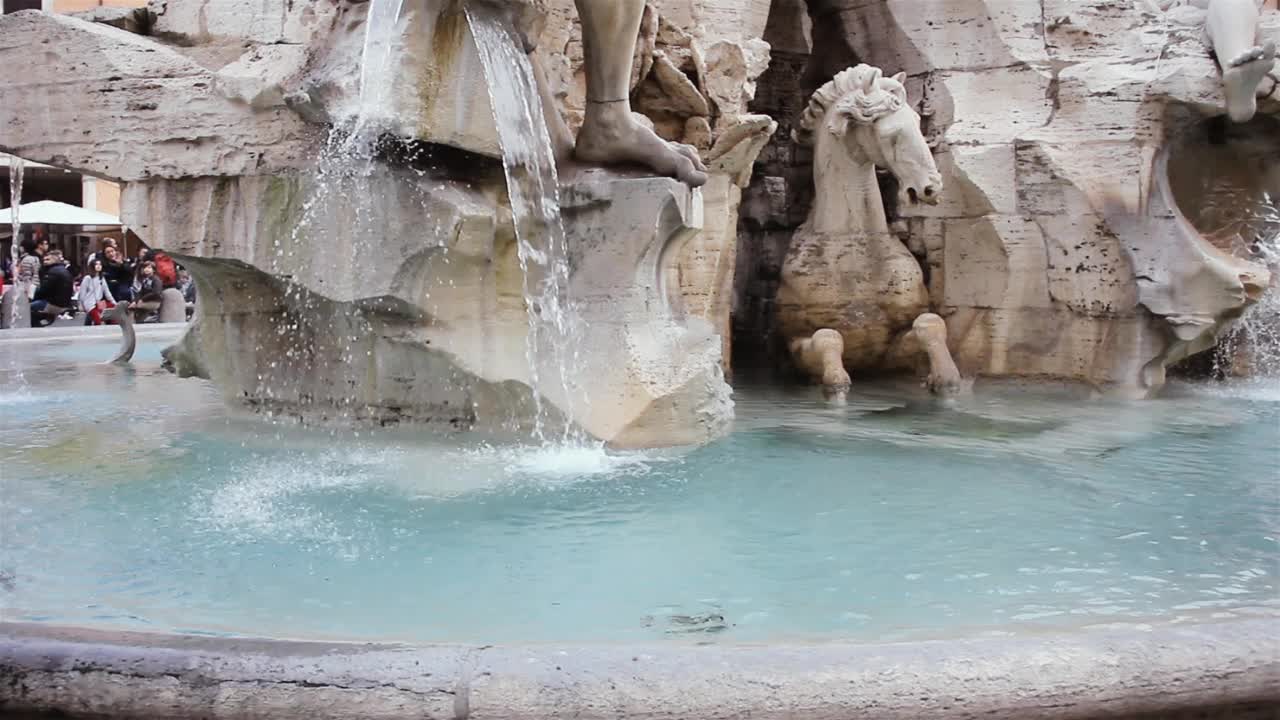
[[51, 212]]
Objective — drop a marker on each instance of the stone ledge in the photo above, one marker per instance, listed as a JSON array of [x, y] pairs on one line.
[[1228, 669]]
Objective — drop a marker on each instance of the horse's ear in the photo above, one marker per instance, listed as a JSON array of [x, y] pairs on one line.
[[872, 78], [901, 78]]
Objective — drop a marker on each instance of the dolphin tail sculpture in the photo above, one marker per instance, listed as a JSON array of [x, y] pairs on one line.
[[129, 337]]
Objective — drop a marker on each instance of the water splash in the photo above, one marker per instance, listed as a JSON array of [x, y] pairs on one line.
[[1252, 346], [16, 168], [341, 214], [533, 186], [347, 162]]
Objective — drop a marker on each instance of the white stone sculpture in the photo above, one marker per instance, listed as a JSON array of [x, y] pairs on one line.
[[1232, 30], [11, 317], [173, 307], [845, 270], [122, 316], [944, 378], [610, 134], [822, 357]]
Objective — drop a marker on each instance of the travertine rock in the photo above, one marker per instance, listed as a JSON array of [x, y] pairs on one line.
[[431, 326], [11, 317], [433, 88], [731, 72], [134, 20], [1053, 251], [707, 263], [173, 308], [273, 22], [138, 109]]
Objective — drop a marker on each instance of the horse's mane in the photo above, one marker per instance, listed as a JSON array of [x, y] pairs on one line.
[[859, 93]]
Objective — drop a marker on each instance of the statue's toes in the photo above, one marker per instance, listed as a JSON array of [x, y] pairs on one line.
[[1246, 57], [691, 153], [689, 174]]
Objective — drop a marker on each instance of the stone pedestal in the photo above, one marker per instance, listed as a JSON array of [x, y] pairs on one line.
[[8, 318], [173, 307]]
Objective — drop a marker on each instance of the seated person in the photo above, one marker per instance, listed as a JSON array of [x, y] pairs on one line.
[[93, 295], [148, 293], [54, 296], [119, 273]]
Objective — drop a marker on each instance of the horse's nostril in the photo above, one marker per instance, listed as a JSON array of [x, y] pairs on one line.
[[928, 192], [911, 193]]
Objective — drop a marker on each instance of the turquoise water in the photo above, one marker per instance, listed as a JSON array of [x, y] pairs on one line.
[[132, 499]]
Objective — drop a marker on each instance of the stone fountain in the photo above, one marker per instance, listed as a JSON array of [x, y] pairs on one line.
[[389, 222], [310, 308], [1032, 223]]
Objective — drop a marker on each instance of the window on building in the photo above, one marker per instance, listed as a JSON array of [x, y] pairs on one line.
[[11, 6]]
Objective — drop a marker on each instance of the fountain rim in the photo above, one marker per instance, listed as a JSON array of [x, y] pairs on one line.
[[1212, 667], [90, 334]]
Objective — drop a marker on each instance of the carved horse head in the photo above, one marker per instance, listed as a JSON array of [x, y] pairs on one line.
[[870, 114]]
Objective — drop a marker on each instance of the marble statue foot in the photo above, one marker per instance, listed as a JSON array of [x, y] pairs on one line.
[[611, 136], [822, 357], [1241, 77]]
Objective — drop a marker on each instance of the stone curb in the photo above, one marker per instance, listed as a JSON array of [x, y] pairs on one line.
[[1228, 669], [92, 333]]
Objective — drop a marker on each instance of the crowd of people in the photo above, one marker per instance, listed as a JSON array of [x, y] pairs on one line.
[[59, 290]]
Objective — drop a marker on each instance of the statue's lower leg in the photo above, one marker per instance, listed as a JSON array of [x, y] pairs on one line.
[[1232, 27], [609, 134], [822, 358], [944, 378]]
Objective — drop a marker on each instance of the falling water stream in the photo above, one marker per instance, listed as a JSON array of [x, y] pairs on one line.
[[16, 167], [533, 186]]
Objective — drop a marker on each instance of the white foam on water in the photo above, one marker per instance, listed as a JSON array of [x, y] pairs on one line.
[[1259, 389], [264, 496], [452, 473], [27, 397], [581, 461]]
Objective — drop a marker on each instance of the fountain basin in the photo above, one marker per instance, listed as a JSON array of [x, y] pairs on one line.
[[1019, 549]]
